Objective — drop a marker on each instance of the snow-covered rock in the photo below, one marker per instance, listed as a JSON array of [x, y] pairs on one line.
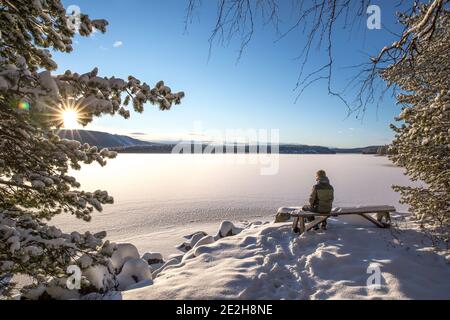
[[226, 229], [204, 241], [198, 248], [34, 293], [123, 253], [153, 258], [134, 271], [85, 261], [184, 246], [200, 238], [190, 236], [99, 277], [169, 263], [61, 293], [196, 237], [193, 239]]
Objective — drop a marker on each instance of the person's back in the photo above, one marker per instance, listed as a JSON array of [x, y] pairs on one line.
[[321, 198], [322, 195]]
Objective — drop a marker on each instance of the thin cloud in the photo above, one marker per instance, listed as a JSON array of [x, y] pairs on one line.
[[138, 133], [117, 44]]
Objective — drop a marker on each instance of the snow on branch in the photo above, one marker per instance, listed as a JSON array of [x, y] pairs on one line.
[[35, 184]]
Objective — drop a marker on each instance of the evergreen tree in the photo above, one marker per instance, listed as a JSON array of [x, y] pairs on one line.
[[35, 184], [421, 143]]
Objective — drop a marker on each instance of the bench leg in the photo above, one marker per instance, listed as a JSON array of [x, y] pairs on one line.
[[385, 215], [316, 222], [302, 225], [295, 225], [374, 221], [388, 217]]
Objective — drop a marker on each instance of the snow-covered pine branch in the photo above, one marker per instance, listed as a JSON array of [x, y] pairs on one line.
[[35, 184], [422, 143]]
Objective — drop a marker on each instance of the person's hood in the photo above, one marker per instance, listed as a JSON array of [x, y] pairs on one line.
[[323, 180]]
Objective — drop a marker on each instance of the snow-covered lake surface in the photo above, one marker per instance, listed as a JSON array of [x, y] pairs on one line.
[[160, 198]]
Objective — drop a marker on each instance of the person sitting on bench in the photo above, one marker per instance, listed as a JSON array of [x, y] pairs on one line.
[[321, 198]]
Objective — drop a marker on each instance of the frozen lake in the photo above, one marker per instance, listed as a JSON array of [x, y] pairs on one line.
[[160, 198]]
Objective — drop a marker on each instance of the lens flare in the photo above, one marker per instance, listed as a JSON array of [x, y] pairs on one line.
[[23, 105]]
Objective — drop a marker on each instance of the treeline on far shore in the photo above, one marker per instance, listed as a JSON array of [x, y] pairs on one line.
[[190, 148]]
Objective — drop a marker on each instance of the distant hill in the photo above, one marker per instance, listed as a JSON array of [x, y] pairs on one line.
[[125, 144], [101, 139]]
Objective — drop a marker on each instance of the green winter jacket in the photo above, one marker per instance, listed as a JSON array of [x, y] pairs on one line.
[[322, 196]]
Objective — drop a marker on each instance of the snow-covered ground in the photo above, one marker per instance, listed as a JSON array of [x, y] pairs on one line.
[[270, 262], [160, 198]]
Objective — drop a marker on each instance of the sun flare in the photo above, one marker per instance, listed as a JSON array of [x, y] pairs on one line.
[[70, 119]]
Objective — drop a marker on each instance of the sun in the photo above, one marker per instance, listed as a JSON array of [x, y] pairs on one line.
[[70, 119], [67, 114]]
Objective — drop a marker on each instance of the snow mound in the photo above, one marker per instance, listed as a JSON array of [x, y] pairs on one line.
[[190, 236], [226, 229], [134, 272], [203, 241], [169, 263], [270, 262], [196, 237], [123, 253], [99, 277]]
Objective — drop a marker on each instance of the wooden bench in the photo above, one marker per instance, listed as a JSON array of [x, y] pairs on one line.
[[299, 224]]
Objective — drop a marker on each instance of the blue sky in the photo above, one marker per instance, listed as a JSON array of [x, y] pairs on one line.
[[147, 39]]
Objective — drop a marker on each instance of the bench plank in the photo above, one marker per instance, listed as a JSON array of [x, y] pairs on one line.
[[338, 211], [363, 211]]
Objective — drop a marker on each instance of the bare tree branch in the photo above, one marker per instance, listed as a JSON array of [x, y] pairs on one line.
[[317, 20]]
